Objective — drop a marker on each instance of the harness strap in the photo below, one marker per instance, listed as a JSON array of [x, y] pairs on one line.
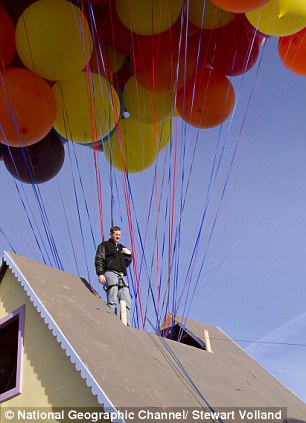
[[120, 277]]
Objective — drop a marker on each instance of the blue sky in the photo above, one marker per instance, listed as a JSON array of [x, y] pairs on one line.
[[250, 262]]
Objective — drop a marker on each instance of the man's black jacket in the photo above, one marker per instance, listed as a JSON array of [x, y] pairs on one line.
[[109, 256]]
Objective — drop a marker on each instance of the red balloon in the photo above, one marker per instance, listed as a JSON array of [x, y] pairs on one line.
[[164, 61], [110, 29], [232, 49], [239, 6], [27, 107], [37, 163], [15, 8], [206, 100], [121, 77], [7, 39], [292, 51], [100, 63]]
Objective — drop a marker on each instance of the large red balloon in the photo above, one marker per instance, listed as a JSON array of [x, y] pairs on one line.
[[292, 51], [27, 107], [110, 29], [37, 163], [207, 100], [239, 6], [232, 49], [164, 61], [7, 39]]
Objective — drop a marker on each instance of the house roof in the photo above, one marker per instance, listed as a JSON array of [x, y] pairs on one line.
[[126, 367]]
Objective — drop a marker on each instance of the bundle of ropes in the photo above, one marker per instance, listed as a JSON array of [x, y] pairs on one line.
[[104, 109]]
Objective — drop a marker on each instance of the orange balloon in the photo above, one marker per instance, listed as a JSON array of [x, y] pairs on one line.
[[239, 6], [292, 52], [27, 108], [206, 100]]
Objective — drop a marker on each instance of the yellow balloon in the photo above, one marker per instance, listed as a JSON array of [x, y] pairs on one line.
[[279, 17], [206, 15], [116, 58], [133, 147], [145, 105], [88, 108], [163, 133], [105, 61], [53, 40], [148, 17]]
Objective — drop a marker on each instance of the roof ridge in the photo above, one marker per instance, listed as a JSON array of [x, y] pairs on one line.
[[60, 337]]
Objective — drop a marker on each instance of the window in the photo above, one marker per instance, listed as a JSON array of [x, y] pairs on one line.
[[180, 333], [11, 348]]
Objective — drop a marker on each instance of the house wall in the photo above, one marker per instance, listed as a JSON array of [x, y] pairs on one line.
[[49, 377]]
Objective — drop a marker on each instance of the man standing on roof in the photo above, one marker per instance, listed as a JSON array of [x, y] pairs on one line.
[[111, 262]]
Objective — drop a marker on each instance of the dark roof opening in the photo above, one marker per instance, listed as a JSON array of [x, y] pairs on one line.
[[181, 334]]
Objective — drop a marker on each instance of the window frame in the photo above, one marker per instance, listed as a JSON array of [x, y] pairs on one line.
[[20, 314]]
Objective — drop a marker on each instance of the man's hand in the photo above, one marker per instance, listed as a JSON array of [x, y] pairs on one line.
[[102, 279], [126, 251]]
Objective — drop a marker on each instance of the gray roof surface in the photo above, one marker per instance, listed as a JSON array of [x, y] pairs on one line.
[[126, 367]]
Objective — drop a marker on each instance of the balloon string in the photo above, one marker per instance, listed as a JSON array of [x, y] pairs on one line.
[[93, 125], [225, 186]]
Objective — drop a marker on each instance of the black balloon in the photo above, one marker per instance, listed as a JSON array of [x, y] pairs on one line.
[[36, 163]]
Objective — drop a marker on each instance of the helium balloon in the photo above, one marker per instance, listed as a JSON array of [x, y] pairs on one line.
[[163, 133], [27, 107], [144, 105], [232, 50], [36, 163], [105, 61], [252, 32], [53, 39], [133, 147], [292, 51], [112, 31], [100, 142], [164, 62], [7, 39], [239, 6], [279, 17], [115, 58], [207, 100], [88, 107], [150, 16], [99, 145], [205, 14]]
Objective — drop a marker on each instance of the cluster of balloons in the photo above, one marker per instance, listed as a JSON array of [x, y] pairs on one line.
[[72, 69]]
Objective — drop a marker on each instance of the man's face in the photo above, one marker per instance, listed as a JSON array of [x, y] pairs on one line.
[[115, 236]]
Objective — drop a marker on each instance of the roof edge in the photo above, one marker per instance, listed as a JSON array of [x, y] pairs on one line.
[[8, 262]]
